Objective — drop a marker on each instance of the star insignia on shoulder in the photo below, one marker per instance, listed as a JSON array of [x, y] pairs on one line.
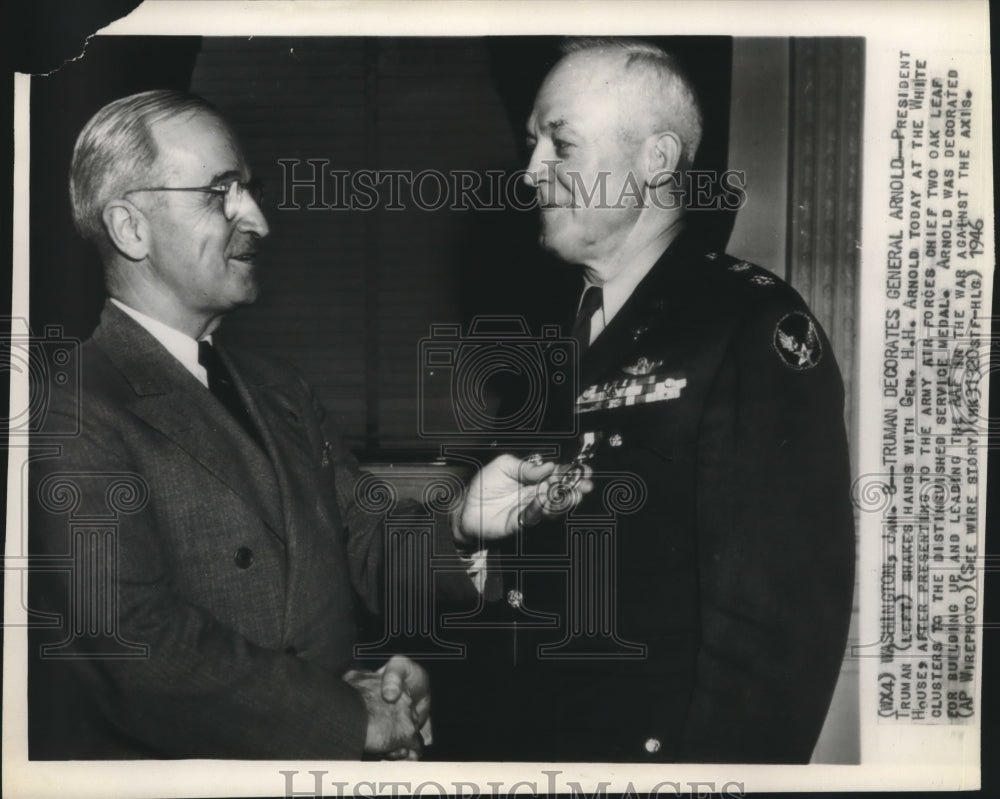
[[762, 280], [740, 266], [796, 341]]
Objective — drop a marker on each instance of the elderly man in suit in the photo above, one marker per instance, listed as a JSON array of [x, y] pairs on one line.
[[212, 610], [706, 380]]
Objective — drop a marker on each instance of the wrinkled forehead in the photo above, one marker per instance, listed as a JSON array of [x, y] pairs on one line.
[[589, 86], [196, 147]]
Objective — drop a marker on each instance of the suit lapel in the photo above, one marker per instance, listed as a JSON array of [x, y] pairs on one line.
[[309, 519], [171, 400], [293, 463]]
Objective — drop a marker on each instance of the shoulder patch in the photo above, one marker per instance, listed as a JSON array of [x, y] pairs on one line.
[[797, 342]]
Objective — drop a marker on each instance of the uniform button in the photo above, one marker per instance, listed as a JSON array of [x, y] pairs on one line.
[[615, 440], [515, 598], [243, 557], [652, 745]]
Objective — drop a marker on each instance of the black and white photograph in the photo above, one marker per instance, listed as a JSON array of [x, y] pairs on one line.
[[422, 397]]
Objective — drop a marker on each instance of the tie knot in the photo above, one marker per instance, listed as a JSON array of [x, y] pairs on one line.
[[593, 297], [207, 356]]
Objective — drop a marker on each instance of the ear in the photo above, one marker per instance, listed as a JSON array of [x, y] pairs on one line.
[[662, 158], [127, 229]]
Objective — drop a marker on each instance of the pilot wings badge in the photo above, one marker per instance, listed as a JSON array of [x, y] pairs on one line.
[[796, 340], [643, 366]]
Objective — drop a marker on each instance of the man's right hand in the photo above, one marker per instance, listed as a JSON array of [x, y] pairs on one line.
[[507, 487], [392, 726]]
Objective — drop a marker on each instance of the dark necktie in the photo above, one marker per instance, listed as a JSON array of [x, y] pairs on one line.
[[220, 383], [593, 298]]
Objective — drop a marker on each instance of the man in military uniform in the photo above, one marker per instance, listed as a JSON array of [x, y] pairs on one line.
[[708, 622]]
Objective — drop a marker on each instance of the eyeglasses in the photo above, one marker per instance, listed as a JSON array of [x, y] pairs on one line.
[[232, 194]]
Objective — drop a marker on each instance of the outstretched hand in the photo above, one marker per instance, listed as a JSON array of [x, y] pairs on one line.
[[509, 491]]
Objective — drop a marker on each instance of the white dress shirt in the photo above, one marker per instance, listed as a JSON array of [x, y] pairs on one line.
[[616, 291], [180, 345], [185, 349]]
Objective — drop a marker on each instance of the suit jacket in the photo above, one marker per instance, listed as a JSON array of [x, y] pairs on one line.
[[216, 610], [704, 611]]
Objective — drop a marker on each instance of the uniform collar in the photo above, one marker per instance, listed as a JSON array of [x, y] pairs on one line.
[[617, 290], [661, 285]]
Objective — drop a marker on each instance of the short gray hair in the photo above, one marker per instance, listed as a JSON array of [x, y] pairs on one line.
[[116, 147], [680, 100]]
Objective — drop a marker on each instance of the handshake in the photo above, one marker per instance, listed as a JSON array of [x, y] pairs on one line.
[[398, 702], [507, 494]]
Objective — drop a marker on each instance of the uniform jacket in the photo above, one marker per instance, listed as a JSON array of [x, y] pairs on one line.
[[717, 611], [238, 571]]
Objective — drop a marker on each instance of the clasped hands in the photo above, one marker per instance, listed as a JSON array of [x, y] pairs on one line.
[[398, 702], [499, 499]]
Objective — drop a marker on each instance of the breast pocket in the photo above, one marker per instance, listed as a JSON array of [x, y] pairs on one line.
[[625, 433]]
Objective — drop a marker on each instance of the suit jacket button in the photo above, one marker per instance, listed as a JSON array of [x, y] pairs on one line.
[[243, 557], [652, 745]]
